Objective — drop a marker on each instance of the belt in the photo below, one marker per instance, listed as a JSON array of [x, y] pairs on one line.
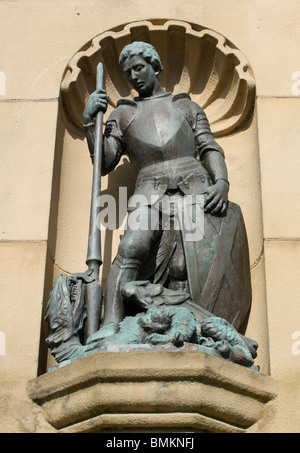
[[171, 166], [171, 172]]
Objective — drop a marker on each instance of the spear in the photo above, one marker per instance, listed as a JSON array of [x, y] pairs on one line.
[[93, 290]]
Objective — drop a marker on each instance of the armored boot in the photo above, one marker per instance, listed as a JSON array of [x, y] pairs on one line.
[[123, 270]]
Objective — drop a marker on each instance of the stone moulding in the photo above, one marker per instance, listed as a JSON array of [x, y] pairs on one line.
[[151, 391], [197, 61]]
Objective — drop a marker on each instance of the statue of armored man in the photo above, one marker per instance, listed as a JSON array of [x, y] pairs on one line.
[[181, 277]]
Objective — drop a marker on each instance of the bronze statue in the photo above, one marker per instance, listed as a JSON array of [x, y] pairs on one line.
[[182, 173]]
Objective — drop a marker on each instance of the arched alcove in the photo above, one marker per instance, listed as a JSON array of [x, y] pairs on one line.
[[218, 77], [196, 60]]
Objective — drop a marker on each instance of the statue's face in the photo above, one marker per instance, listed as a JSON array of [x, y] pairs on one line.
[[140, 74]]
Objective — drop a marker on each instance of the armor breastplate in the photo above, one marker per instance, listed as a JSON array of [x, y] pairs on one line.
[[158, 133]]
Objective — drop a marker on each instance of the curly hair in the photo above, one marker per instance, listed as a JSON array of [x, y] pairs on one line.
[[146, 50]]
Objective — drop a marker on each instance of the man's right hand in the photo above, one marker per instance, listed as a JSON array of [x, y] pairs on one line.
[[97, 102]]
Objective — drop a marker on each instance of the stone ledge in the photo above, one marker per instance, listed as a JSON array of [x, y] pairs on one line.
[[152, 390], [158, 423]]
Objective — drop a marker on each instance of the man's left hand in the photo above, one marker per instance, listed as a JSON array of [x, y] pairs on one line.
[[217, 197]]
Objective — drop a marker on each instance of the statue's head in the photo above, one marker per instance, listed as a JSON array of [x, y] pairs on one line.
[[143, 49]]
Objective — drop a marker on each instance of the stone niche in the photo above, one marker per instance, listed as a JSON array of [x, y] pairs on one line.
[[196, 61], [157, 391], [218, 77]]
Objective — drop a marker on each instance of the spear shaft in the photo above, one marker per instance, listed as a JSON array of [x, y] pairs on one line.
[[94, 258]]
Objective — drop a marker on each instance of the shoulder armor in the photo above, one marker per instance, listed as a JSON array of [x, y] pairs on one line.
[[183, 103], [178, 96], [126, 102], [124, 114]]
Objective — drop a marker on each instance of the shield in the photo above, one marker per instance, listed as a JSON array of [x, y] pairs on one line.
[[218, 266]]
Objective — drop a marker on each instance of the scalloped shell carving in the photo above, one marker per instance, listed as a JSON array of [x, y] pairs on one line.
[[196, 60]]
